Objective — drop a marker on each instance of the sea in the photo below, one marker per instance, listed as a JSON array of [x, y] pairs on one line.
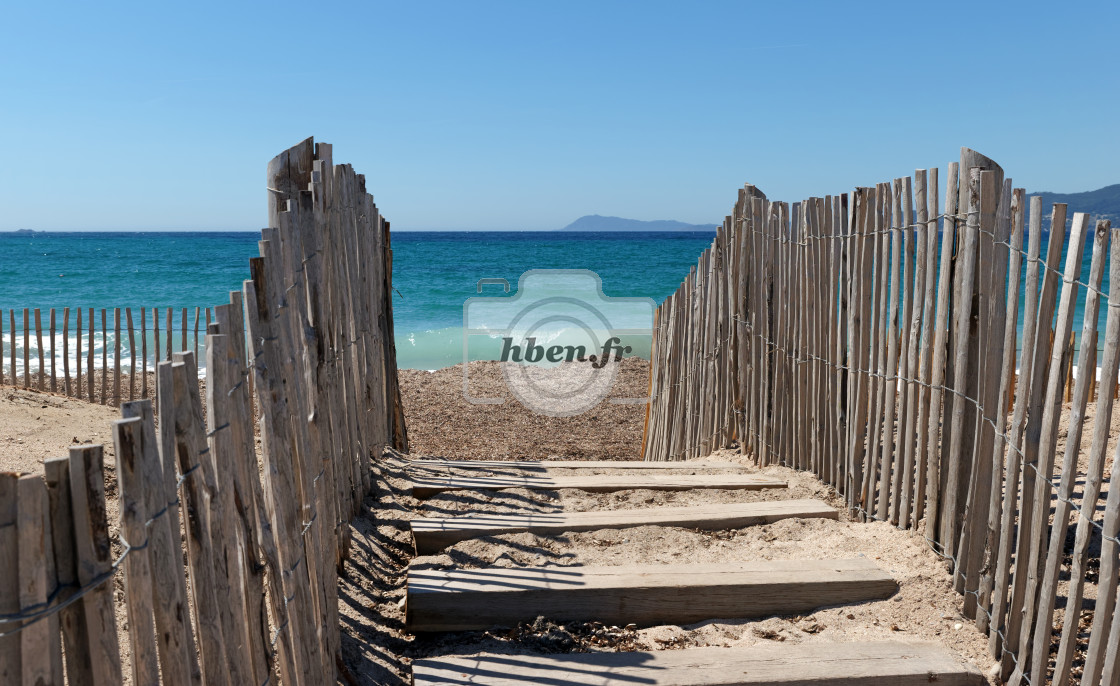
[[434, 275]]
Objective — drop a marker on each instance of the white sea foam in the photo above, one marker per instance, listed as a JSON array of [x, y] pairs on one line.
[[100, 345]]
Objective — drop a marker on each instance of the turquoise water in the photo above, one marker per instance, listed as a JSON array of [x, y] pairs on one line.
[[433, 275], [436, 272]]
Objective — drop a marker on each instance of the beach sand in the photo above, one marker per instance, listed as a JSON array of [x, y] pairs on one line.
[[441, 422]]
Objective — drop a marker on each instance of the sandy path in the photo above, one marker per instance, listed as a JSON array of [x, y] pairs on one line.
[[379, 651]]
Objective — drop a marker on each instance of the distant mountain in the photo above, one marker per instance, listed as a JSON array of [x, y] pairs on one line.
[[595, 222], [1103, 203]]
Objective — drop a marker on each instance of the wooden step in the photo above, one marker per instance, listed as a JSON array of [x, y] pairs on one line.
[[547, 465], [424, 487], [430, 535], [805, 664], [465, 599]]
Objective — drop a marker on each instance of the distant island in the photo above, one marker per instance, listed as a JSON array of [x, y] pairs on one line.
[[1103, 203], [595, 222]]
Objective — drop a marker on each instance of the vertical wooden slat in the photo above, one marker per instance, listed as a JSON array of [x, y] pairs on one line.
[[12, 348], [37, 639], [170, 333], [1033, 387], [766, 409], [155, 334], [175, 639], [94, 561], [89, 360], [10, 669], [72, 618], [248, 495], [104, 356], [324, 397], [890, 370], [1111, 671], [959, 473], [1106, 592], [900, 482], [939, 368], [53, 622], [183, 332], [144, 352], [197, 491], [1048, 586], [859, 328], [1001, 494], [841, 280], [54, 366], [820, 256], [958, 445], [131, 354], [296, 662], [875, 486], [66, 353], [40, 383], [994, 233], [239, 617], [1092, 368], [1104, 631], [128, 438], [872, 262], [911, 441], [1033, 520], [1068, 385], [26, 348], [116, 357], [801, 431], [197, 315], [78, 364], [819, 225], [753, 335]]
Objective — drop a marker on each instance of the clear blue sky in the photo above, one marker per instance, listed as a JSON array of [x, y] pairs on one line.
[[526, 115]]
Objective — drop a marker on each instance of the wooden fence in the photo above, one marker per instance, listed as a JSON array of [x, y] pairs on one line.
[[265, 527], [106, 359], [871, 339]]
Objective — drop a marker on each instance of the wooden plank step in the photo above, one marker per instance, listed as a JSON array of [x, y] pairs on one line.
[[545, 465], [804, 664], [465, 599], [430, 535], [424, 487]]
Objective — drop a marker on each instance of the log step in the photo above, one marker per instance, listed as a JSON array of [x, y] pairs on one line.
[[467, 599], [431, 535], [546, 465], [805, 664], [424, 487]]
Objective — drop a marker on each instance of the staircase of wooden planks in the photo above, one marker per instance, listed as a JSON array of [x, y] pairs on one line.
[[460, 599]]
